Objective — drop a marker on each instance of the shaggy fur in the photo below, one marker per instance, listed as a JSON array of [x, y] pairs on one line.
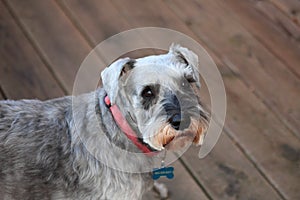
[[43, 158], [48, 149]]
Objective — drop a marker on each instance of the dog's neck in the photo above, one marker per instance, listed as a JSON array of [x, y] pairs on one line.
[[126, 129], [95, 135]]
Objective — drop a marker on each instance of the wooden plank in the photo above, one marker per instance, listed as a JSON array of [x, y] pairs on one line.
[[274, 149], [227, 174], [102, 19], [96, 18], [248, 120], [92, 17], [246, 57], [1, 96], [22, 73], [181, 187], [147, 15], [281, 20], [290, 7], [57, 40], [266, 32]]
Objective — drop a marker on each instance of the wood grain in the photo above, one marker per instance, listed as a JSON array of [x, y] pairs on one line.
[[290, 7], [287, 26], [267, 141], [1, 97], [22, 72], [268, 33], [243, 130], [283, 21], [181, 187], [237, 48], [56, 39], [226, 174], [92, 19]]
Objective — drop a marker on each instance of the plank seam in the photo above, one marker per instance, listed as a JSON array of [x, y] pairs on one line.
[[240, 147], [275, 113], [278, 116], [283, 12], [77, 25], [2, 93], [290, 68], [225, 129], [35, 47], [269, 181], [73, 20], [194, 177]]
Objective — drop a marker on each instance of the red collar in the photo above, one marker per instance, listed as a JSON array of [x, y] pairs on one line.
[[125, 127]]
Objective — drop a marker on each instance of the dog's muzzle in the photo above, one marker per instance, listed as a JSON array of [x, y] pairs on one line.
[[182, 127], [174, 114]]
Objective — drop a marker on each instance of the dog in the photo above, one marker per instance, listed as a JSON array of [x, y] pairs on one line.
[[65, 148]]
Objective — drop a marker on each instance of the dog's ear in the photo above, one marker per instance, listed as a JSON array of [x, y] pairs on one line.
[[189, 58], [111, 75]]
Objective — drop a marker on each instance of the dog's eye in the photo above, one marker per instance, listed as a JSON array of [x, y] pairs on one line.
[[185, 84], [147, 92]]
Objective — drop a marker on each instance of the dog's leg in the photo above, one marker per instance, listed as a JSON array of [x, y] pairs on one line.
[[161, 189]]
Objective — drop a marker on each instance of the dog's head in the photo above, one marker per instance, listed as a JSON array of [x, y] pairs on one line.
[[156, 97]]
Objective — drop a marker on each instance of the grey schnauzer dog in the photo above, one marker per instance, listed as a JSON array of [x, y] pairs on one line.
[[59, 149]]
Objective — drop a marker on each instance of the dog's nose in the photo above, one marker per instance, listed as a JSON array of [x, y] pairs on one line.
[[178, 123], [175, 121]]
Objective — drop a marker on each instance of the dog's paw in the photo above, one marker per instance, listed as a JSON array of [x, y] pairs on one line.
[[161, 189]]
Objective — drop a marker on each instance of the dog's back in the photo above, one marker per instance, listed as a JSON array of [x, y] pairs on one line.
[[34, 148]]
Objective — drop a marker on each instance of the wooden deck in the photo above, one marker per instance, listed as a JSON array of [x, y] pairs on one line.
[[256, 45]]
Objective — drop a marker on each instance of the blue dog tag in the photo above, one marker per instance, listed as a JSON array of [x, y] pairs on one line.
[[164, 171]]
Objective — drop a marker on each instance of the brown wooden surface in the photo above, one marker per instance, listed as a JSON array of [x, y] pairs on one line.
[[289, 7], [1, 97], [262, 133], [227, 174], [286, 49], [288, 26], [254, 43], [22, 72], [56, 39], [246, 56]]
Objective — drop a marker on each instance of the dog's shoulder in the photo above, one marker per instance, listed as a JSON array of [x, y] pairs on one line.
[[35, 146], [13, 111]]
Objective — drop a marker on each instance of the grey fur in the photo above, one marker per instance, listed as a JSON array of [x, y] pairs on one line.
[[43, 148], [42, 157]]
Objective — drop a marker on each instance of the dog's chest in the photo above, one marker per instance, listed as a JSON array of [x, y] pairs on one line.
[[116, 185]]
